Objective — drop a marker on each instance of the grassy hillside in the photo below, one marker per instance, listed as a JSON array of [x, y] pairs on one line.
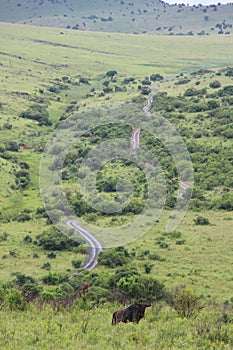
[[91, 329], [122, 16]]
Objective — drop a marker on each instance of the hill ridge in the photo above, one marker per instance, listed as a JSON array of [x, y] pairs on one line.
[[122, 16]]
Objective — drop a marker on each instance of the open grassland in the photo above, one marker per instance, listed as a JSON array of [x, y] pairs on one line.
[[201, 257], [33, 58], [91, 329], [47, 50]]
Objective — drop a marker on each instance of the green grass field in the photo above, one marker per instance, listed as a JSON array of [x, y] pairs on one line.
[[91, 329]]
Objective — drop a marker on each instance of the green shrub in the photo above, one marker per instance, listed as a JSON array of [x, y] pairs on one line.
[[46, 295], [21, 279], [76, 263], [146, 81], [84, 81], [14, 300], [215, 84], [156, 77], [46, 266], [4, 236], [51, 255], [140, 288], [201, 220], [186, 303], [12, 146], [22, 217], [53, 239], [23, 178], [229, 72], [52, 279], [111, 73], [147, 268], [114, 257], [155, 256], [38, 113]]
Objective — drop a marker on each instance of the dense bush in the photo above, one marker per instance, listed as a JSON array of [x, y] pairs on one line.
[[200, 220], [114, 257], [38, 113], [76, 263], [21, 279], [53, 239], [52, 279], [12, 146], [156, 77], [195, 92], [229, 72], [186, 303], [140, 288], [215, 84], [111, 73], [14, 299], [23, 178]]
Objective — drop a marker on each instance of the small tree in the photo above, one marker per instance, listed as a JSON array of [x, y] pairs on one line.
[[114, 257], [14, 300], [111, 73], [186, 303], [201, 220], [76, 263], [156, 77], [215, 84]]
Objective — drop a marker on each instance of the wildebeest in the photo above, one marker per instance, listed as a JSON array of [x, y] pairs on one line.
[[133, 313]]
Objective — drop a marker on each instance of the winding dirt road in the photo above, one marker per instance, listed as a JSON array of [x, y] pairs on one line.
[[149, 102], [95, 245], [135, 137], [135, 140]]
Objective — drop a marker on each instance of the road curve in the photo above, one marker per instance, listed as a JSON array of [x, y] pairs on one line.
[[183, 186], [95, 245], [149, 102], [135, 139]]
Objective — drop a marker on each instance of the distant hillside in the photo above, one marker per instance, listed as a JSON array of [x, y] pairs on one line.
[[131, 16]]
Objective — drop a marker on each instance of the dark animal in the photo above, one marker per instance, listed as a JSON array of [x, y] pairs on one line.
[[133, 313], [84, 288]]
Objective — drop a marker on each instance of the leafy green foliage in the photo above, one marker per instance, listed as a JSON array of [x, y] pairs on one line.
[[14, 300], [38, 113], [140, 288], [114, 257], [111, 73], [52, 279], [76, 263], [21, 279], [53, 239], [215, 84], [201, 220], [156, 77], [23, 178], [186, 303]]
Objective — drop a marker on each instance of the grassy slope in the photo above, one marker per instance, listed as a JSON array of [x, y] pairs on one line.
[[79, 329], [136, 16], [92, 55]]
